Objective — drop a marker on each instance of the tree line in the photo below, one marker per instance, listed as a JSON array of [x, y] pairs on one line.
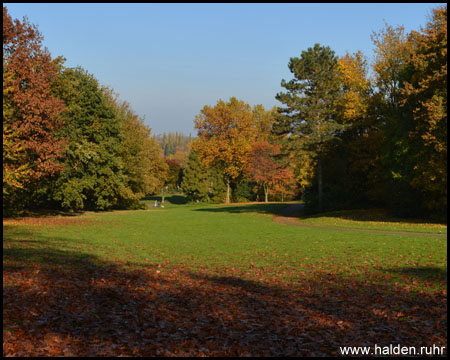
[[68, 142], [173, 142], [232, 158], [379, 140], [348, 133], [342, 139]]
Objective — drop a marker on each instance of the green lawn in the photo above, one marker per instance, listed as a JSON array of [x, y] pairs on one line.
[[215, 261], [241, 237], [374, 219]]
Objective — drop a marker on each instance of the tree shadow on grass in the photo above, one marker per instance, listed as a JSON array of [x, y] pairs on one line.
[[372, 215], [48, 257], [177, 199], [261, 208], [432, 274], [13, 233], [172, 199], [64, 303], [44, 213]]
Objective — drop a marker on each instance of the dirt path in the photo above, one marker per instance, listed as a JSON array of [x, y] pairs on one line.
[[285, 218]]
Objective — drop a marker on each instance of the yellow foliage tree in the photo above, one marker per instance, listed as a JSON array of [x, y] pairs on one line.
[[425, 95], [226, 133], [392, 50], [353, 104]]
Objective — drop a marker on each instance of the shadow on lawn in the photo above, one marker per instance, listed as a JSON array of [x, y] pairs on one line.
[[423, 273], [71, 303], [374, 215], [173, 199], [43, 213], [270, 208]]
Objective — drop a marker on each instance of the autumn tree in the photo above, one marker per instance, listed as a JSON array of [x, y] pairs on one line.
[[308, 118], [353, 103], [393, 48], [182, 157], [103, 157], [34, 112], [144, 168], [353, 164], [265, 170], [264, 120], [225, 136], [425, 103], [15, 168], [173, 173], [284, 184]]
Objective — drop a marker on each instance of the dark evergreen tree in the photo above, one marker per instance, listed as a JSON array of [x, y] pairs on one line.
[[308, 118]]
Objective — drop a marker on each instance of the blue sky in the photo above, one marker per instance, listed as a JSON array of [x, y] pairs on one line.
[[169, 60]]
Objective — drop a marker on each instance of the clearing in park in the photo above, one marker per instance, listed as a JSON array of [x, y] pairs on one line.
[[220, 280]]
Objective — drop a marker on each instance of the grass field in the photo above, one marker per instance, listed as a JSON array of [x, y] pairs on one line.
[[374, 219], [194, 280]]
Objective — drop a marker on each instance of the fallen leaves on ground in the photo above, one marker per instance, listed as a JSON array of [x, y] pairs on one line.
[[96, 309], [45, 221]]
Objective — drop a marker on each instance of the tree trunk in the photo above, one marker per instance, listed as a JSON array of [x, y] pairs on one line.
[[227, 200], [162, 196], [319, 164], [266, 193]]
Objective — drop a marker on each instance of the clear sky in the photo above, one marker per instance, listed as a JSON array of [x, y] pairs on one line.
[[169, 60]]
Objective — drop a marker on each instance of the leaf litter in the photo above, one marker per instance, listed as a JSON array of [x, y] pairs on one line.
[[170, 310]]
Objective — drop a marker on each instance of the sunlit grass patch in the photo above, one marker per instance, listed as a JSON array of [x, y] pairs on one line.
[[206, 236], [374, 219]]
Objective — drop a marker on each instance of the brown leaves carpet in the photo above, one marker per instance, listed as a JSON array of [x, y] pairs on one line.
[[87, 308]]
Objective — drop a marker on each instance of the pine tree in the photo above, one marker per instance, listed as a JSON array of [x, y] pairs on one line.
[[308, 118]]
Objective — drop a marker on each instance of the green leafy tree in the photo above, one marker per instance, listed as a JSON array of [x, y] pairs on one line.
[[195, 179], [93, 176], [144, 168], [308, 119], [200, 183]]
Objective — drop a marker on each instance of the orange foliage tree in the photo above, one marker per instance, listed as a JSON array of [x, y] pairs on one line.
[[35, 112], [266, 171], [15, 169], [225, 136]]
